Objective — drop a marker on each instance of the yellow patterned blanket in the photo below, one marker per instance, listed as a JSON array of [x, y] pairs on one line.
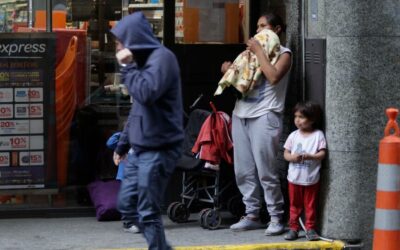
[[245, 70]]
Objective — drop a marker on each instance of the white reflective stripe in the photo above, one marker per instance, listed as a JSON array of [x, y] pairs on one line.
[[388, 177], [386, 219]]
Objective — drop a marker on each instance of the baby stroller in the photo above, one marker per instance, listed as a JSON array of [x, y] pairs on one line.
[[202, 186]]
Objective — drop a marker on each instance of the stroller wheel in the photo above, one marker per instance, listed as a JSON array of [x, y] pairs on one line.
[[235, 206], [212, 219], [180, 213], [202, 215], [170, 209]]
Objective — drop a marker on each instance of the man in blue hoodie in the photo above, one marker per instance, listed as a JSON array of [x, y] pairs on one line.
[[154, 129]]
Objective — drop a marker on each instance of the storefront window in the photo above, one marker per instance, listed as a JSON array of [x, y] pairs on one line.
[[72, 96], [199, 21], [27, 111], [13, 14], [210, 21]]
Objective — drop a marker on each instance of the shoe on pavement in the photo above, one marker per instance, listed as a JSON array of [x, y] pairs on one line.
[[246, 223], [291, 235], [131, 229], [311, 235], [275, 228]]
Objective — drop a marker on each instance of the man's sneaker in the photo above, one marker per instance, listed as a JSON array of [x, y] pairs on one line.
[[291, 235], [131, 229], [246, 223], [312, 235], [275, 228]]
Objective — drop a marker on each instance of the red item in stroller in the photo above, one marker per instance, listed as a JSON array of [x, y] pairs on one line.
[[207, 135], [214, 141]]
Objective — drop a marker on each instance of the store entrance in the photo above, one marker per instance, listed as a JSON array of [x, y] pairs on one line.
[[202, 36]]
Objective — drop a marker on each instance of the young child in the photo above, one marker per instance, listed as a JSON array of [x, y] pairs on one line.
[[305, 148], [127, 223], [112, 144]]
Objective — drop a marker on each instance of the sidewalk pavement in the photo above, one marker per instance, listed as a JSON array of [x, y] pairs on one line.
[[86, 233]]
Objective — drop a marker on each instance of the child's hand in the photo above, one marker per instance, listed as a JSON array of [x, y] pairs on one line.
[[117, 158], [225, 66], [297, 158], [307, 156]]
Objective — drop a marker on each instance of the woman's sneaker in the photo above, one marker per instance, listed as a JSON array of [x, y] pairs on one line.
[[275, 228], [246, 223], [291, 235]]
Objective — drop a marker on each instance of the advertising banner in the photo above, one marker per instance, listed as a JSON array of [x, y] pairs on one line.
[[27, 121]]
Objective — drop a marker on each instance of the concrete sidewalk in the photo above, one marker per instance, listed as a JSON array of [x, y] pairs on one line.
[[87, 233]]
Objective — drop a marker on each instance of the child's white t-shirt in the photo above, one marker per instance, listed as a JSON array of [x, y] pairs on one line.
[[307, 172]]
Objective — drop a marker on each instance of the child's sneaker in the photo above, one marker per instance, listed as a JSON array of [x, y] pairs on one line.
[[311, 235], [275, 228], [131, 229], [246, 223], [291, 235]]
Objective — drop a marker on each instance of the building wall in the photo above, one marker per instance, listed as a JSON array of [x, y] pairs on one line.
[[363, 68]]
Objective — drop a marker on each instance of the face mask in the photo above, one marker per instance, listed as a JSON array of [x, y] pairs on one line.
[[124, 56]]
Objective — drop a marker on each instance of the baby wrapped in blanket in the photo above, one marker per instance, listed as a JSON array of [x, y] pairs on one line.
[[245, 71]]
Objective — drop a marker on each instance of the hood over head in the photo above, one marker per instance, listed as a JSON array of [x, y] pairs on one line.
[[135, 33]]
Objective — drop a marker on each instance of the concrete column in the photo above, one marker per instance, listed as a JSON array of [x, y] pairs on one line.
[[363, 79]]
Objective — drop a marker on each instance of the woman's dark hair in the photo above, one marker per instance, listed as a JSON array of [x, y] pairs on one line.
[[274, 20], [312, 111]]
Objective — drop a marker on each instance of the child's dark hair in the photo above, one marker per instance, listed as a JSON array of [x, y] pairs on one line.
[[274, 20], [311, 111]]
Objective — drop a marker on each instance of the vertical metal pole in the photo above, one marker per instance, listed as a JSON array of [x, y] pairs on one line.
[[49, 15], [169, 23], [30, 16], [303, 16], [101, 22]]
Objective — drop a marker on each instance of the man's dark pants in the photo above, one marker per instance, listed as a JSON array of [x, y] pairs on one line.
[[146, 176]]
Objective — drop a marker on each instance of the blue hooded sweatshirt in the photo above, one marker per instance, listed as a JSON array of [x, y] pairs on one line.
[[153, 80]]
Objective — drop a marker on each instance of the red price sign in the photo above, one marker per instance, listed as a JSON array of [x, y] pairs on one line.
[[35, 110], [5, 110], [18, 142], [4, 159], [33, 93], [7, 124]]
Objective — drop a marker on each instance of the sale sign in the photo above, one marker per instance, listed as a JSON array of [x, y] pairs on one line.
[[6, 95], [27, 127], [31, 158], [22, 142], [21, 127], [4, 159], [28, 110], [6, 111], [28, 95]]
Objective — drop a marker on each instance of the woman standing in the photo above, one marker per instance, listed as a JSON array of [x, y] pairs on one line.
[[256, 130]]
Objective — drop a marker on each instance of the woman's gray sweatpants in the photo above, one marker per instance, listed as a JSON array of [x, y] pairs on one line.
[[256, 144]]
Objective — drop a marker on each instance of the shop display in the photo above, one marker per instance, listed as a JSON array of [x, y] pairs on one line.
[[154, 12], [13, 14], [198, 16]]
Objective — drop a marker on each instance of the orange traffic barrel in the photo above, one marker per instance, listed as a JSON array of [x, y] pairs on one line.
[[387, 210]]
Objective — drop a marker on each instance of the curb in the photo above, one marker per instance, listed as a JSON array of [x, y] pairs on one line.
[[315, 245]]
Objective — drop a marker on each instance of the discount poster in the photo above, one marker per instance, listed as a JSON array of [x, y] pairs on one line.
[[27, 154]]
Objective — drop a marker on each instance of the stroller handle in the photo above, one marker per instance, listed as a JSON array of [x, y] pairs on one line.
[[213, 107], [196, 101]]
